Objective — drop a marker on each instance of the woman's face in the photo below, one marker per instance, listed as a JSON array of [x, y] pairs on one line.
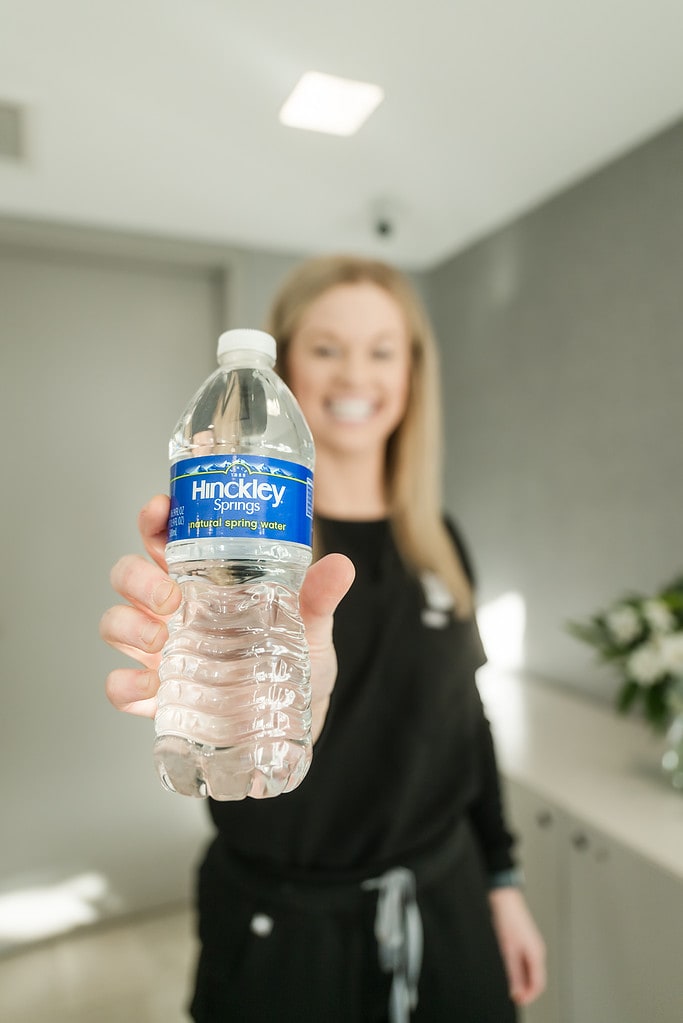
[[349, 366]]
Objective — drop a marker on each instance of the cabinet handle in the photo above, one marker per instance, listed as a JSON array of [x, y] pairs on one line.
[[544, 818], [580, 841]]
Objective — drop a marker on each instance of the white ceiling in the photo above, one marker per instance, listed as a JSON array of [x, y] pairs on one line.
[[160, 116]]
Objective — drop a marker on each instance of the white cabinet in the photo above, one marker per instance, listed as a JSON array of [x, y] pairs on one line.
[[537, 826], [612, 920], [625, 934]]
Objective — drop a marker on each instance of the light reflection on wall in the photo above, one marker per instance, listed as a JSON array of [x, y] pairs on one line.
[[502, 623], [43, 911]]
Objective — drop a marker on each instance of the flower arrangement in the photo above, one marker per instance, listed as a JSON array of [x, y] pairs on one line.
[[643, 638]]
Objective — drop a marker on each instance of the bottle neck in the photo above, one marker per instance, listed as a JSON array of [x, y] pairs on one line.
[[245, 357]]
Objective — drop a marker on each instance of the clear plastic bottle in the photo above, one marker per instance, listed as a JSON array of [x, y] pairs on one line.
[[234, 701]]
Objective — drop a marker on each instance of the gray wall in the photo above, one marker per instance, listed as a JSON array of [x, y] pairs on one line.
[[563, 368]]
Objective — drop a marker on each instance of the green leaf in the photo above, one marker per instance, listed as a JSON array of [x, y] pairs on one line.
[[588, 632], [627, 696], [657, 706], [674, 601]]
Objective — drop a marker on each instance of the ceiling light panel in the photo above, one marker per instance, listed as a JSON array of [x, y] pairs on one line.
[[336, 106]]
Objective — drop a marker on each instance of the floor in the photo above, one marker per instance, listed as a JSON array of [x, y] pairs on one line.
[[137, 972]]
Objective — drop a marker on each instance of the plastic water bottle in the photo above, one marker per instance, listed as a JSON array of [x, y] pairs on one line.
[[234, 713]]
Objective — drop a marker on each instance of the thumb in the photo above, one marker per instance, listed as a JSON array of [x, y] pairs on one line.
[[326, 583]]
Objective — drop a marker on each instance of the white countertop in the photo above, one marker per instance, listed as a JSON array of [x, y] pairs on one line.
[[588, 760]]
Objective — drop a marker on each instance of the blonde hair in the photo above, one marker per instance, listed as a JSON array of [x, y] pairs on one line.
[[414, 451]]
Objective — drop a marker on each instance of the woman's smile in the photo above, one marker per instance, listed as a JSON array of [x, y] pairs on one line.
[[351, 410]]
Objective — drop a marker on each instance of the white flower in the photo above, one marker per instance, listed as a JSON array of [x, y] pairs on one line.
[[658, 616], [646, 664], [672, 653], [624, 623]]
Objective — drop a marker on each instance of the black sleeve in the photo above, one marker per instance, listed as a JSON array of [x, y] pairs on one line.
[[486, 810], [468, 565]]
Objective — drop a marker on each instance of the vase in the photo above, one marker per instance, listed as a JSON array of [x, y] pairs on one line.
[[672, 759]]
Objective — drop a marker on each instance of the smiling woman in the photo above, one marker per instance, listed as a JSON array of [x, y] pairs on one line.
[[399, 820]]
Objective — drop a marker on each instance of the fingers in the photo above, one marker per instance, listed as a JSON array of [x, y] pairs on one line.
[[518, 979], [145, 586], [517, 971], [527, 978], [536, 978], [133, 691], [527, 966], [141, 636], [133, 632], [153, 526], [139, 628]]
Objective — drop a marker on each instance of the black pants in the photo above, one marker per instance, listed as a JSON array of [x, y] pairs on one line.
[[283, 951]]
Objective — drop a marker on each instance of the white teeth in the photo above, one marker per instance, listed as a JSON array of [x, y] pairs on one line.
[[351, 409]]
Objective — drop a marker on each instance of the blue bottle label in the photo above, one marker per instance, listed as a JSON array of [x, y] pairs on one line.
[[241, 496]]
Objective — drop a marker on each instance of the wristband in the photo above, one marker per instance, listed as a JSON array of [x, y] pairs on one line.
[[510, 878]]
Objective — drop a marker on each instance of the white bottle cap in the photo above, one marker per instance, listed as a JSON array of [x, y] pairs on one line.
[[246, 339]]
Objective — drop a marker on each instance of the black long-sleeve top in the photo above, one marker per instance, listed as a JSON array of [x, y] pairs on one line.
[[406, 751]]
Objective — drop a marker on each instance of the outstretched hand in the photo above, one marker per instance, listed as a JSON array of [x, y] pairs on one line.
[[138, 627]]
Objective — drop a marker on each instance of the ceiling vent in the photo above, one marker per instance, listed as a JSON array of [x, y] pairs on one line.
[[11, 131]]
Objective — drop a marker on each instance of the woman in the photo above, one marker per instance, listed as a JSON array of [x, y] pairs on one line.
[[384, 887]]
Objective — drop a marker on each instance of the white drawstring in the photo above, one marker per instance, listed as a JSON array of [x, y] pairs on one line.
[[398, 929]]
